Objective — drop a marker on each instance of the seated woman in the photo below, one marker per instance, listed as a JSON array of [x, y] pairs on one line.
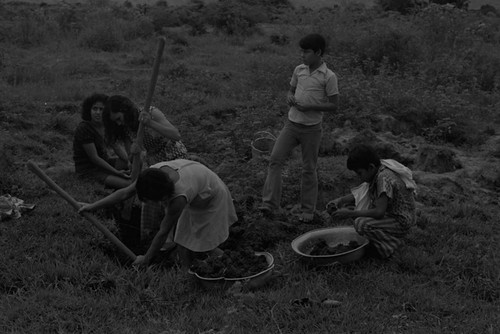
[[162, 142], [384, 204], [198, 207], [90, 152]]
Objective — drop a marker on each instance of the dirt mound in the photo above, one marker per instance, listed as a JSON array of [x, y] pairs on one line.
[[259, 234], [437, 159]]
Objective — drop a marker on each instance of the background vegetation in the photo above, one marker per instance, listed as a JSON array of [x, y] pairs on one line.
[[224, 74]]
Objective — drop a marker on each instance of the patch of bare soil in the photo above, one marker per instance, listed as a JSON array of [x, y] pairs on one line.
[[262, 234]]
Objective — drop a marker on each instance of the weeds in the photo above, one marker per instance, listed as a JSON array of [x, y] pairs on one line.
[[233, 18], [32, 28], [103, 36]]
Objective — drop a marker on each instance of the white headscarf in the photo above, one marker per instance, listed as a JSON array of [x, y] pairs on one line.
[[361, 193]]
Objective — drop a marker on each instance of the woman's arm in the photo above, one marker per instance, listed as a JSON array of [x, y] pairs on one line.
[[340, 202], [157, 121], [91, 151], [345, 200], [172, 214], [127, 144], [120, 151], [116, 197], [377, 212]]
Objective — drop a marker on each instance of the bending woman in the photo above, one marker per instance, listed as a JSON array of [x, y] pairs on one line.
[[198, 207], [90, 150]]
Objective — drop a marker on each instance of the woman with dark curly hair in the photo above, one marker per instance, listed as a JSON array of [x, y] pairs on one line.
[[90, 151], [161, 140]]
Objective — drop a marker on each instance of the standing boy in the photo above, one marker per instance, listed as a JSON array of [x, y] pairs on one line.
[[313, 90]]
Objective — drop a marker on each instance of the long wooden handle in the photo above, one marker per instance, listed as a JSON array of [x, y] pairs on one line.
[[151, 89], [35, 169]]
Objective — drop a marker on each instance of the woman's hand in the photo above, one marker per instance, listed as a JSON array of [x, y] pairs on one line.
[[140, 261], [84, 207], [134, 149], [145, 118], [124, 174], [332, 206]]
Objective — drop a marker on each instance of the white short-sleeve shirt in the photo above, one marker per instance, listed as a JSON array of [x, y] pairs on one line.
[[312, 88]]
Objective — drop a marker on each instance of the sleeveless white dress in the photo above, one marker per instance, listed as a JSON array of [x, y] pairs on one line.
[[204, 223]]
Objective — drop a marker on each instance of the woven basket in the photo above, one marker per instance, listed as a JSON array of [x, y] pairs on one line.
[[262, 144]]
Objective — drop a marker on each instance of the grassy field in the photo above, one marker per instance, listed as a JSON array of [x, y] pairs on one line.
[[436, 73]]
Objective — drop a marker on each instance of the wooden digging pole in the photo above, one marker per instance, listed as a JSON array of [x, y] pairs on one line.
[[35, 169], [137, 162]]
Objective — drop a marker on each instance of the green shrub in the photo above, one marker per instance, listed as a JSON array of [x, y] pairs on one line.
[[179, 70], [179, 40], [402, 6], [488, 30], [192, 15], [396, 50], [68, 19], [234, 18], [444, 71], [23, 73], [132, 22], [140, 27], [369, 40], [487, 9], [164, 17], [197, 26], [446, 130], [280, 39], [99, 3], [486, 65], [32, 28], [269, 3], [440, 30], [63, 123], [408, 6], [103, 35], [418, 118], [474, 68], [456, 3]]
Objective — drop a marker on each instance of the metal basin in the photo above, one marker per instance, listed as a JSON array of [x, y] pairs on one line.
[[333, 236], [253, 281]]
